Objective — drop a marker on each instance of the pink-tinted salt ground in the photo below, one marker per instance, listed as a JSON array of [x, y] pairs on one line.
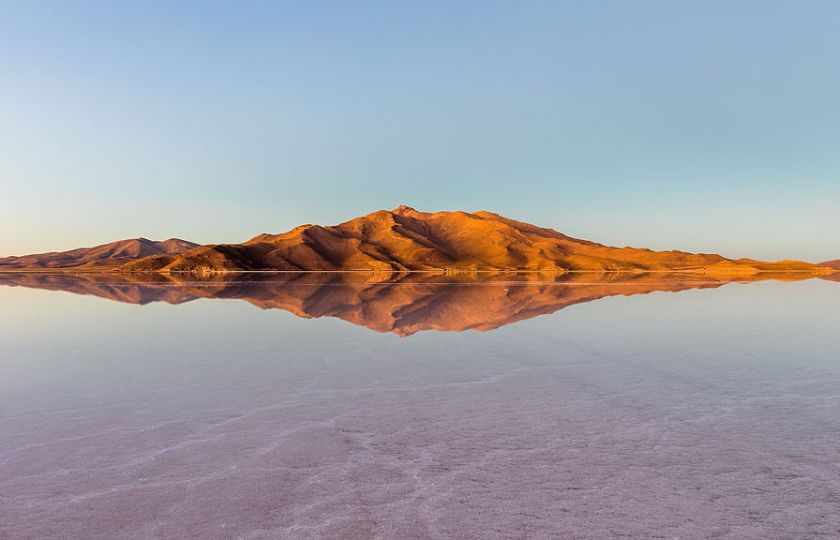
[[707, 414]]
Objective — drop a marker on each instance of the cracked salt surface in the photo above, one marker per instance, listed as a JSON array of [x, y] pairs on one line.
[[703, 414]]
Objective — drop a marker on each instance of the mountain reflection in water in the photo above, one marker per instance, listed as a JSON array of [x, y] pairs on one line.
[[401, 303]]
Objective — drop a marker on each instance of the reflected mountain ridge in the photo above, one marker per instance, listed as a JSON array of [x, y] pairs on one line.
[[399, 303]]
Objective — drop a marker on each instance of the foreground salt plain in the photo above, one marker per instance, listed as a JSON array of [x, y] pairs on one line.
[[704, 413]]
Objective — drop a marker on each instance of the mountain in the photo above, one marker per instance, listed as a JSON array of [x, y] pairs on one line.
[[399, 240], [836, 266], [397, 303], [404, 239], [104, 257]]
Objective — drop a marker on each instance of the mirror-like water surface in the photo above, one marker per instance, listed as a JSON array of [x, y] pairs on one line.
[[418, 408]]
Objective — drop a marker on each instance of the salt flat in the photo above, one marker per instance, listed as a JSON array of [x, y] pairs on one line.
[[698, 414]]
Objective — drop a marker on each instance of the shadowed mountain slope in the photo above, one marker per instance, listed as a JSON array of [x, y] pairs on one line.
[[407, 240], [106, 256]]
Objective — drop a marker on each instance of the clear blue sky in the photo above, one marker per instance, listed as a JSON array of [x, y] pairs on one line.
[[708, 126]]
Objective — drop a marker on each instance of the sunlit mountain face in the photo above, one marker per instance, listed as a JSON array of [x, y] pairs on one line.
[[400, 303]]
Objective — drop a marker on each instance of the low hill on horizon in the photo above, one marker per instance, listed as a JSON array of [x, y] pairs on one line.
[[404, 239], [105, 256], [832, 264], [398, 240]]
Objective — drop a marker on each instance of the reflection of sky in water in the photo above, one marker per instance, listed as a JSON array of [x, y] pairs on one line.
[[707, 412]]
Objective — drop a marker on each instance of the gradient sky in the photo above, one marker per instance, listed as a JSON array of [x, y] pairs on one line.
[[708, 126]]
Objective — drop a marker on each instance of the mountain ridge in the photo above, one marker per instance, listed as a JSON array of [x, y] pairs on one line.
[[398, 240], [405, 239], [104, 256]]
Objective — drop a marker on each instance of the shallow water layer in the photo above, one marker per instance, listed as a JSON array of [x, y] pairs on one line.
[[361, 413]]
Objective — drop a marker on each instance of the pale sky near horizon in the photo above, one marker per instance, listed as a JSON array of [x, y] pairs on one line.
[[707, 126]]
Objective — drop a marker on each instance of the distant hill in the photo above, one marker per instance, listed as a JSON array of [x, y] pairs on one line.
[[404, 239], [836, 266], [399, 240], [106, 256]]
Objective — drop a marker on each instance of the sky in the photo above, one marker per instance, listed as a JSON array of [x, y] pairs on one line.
[[707, 126]]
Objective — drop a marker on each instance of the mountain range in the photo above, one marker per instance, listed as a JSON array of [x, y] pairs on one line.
[[104, 257], [398, 240]]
